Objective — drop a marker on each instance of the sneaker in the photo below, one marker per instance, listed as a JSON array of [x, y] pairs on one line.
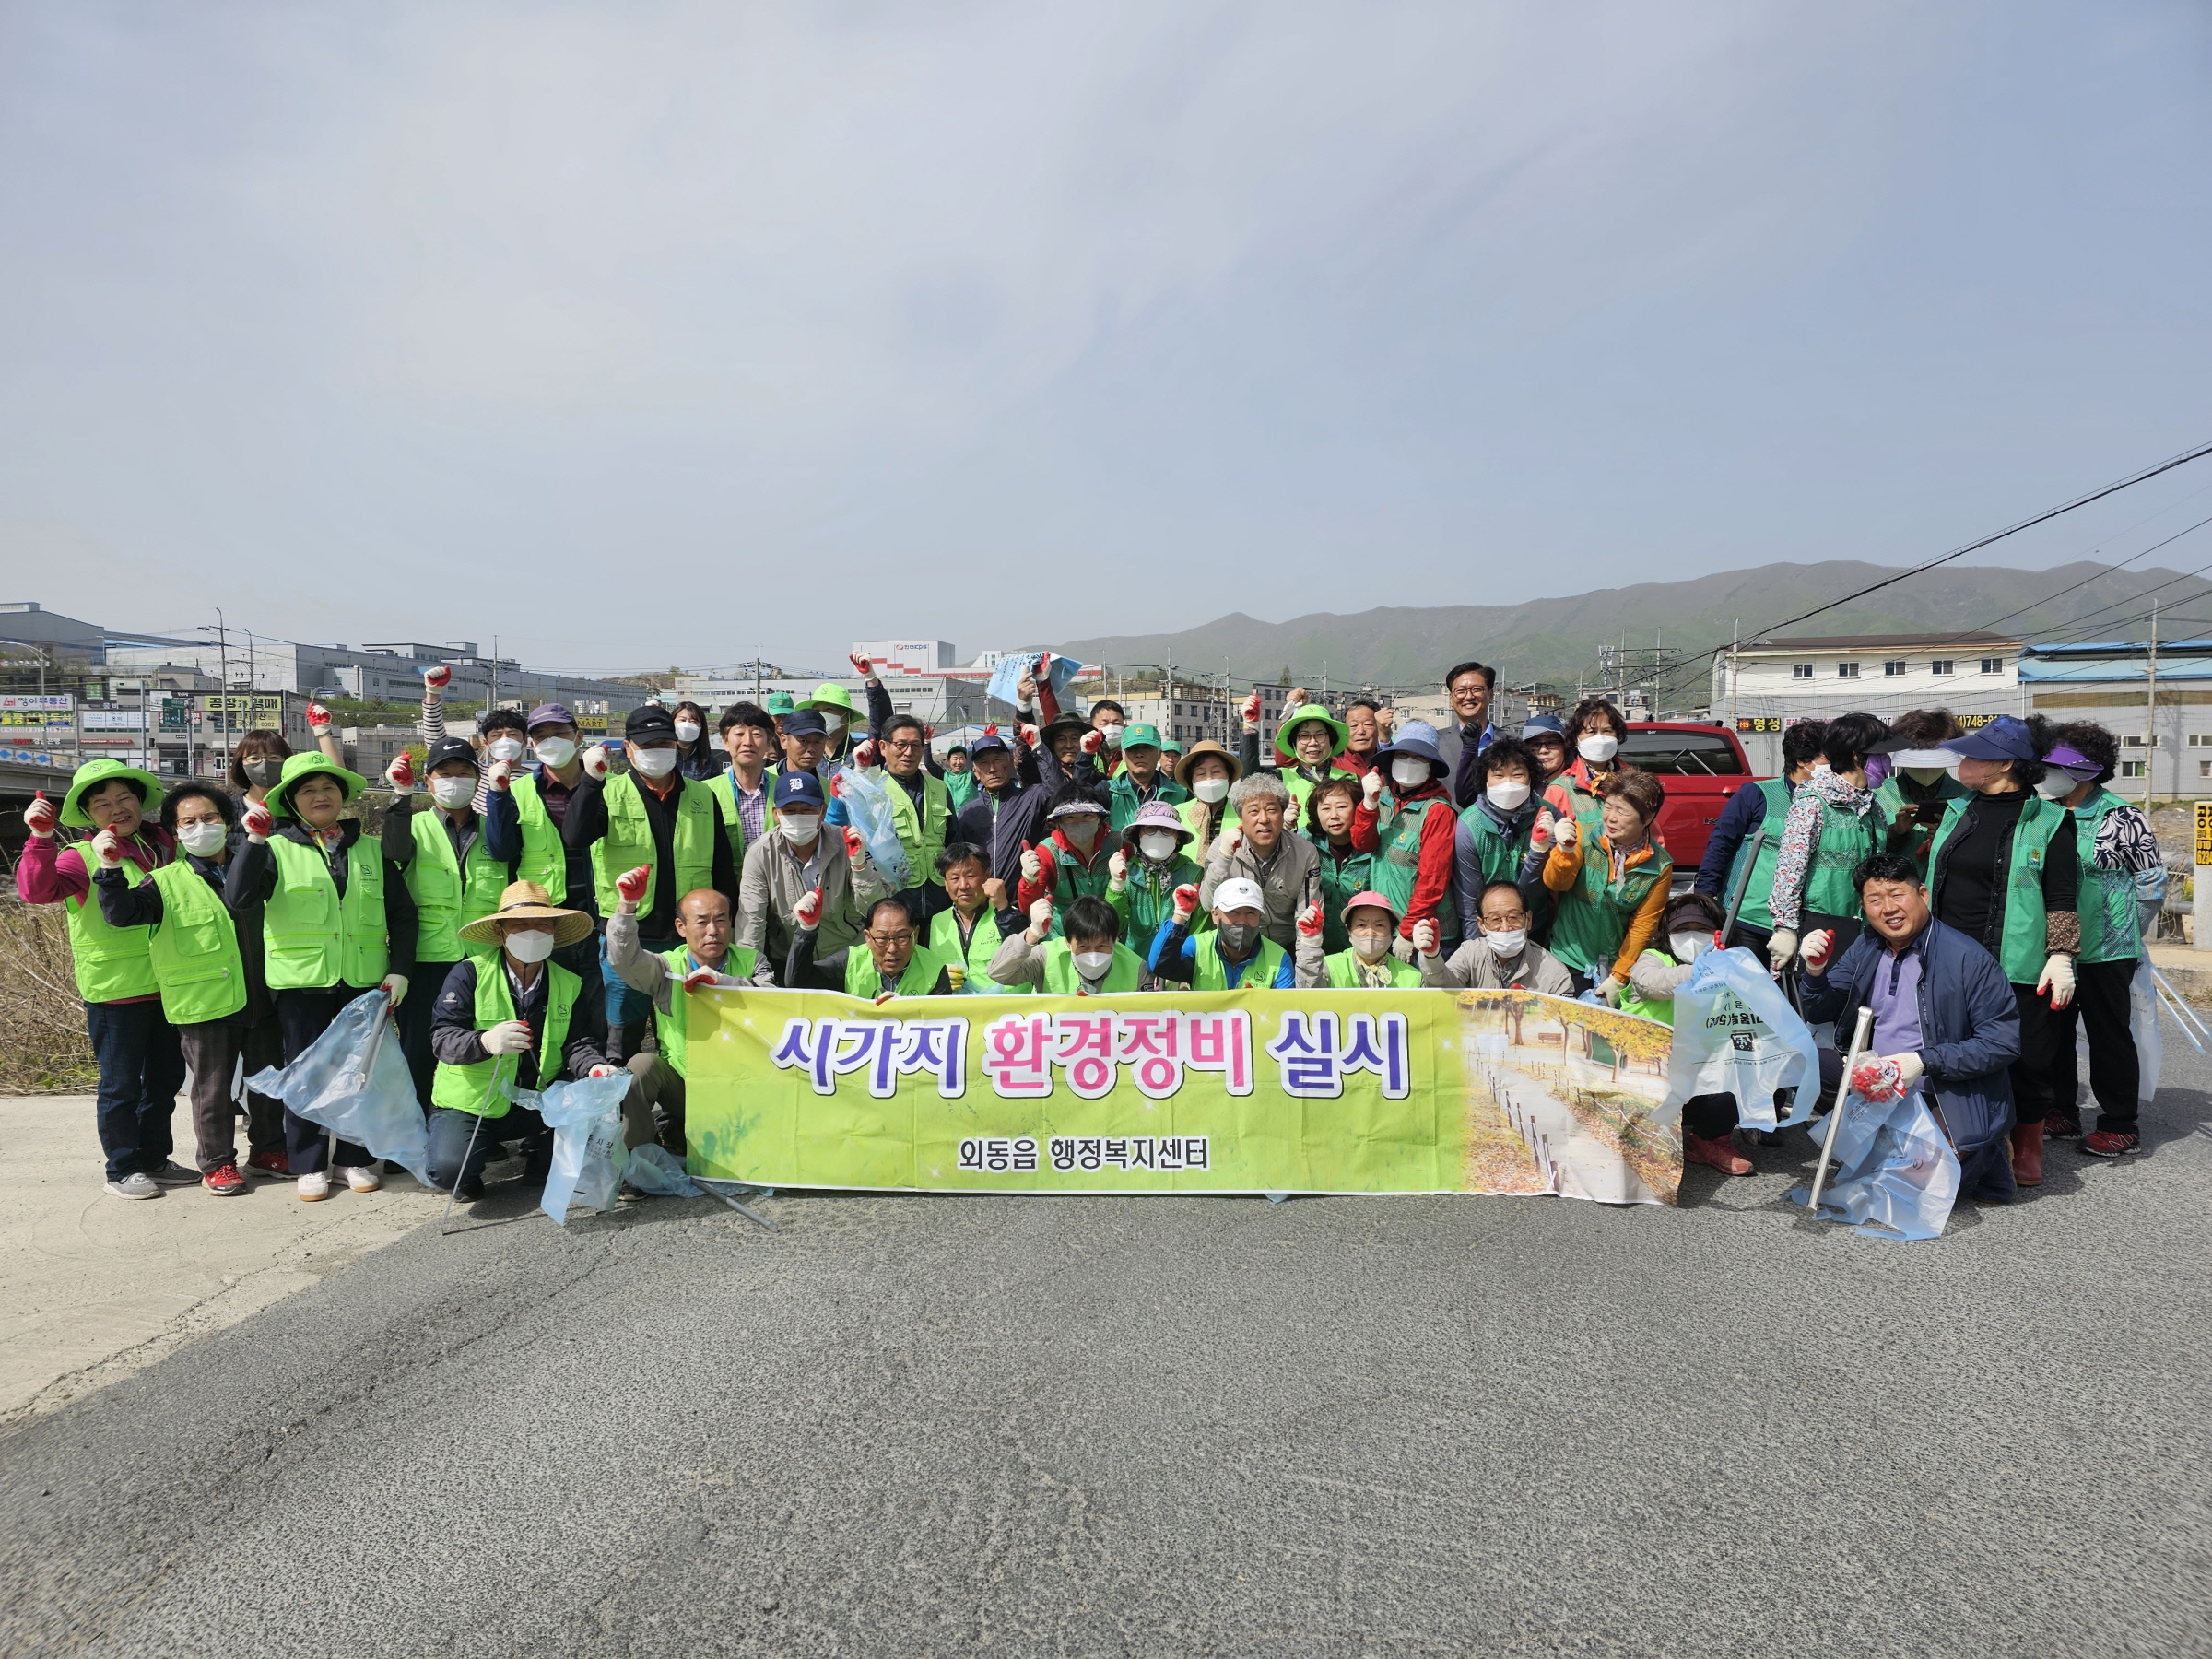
[[173, 1173], [271, 1160], [1719, 1152], [2063, 1126], [360, 1177], [314, 1188], [224, 1181], [135, 1186], [2108, 1143]]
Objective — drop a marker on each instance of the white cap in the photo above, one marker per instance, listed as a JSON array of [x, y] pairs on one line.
[[1237, 893]]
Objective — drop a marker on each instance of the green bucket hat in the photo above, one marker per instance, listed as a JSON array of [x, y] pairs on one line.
[[1287, 729], [1140, 736], [298, 769], [93, 774], [780, 702], [829, 695]]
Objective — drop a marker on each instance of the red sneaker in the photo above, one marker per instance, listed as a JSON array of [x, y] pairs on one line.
[[1719, 1152], [274, 1160], [2063, 1126], [224, 1181], [2111, 1142]]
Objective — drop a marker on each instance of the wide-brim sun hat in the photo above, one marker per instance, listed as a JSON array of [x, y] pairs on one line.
[[830, 695], [1362, 900], [1062, 722], [1285, 732], [1203, 746], [1159, 815], [93, 774], [527, 901], [299, 768], [1417, 739]]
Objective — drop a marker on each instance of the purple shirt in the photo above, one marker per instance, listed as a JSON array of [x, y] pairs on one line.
[[1894, 995]]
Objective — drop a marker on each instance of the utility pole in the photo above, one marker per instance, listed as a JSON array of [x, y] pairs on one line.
[[1735, 644], [2150, 717], [492, 700]]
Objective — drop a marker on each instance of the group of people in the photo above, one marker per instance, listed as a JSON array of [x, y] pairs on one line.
[[542, 914]]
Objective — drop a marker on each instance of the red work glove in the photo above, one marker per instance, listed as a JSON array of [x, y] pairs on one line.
[[808, 910], [855, 848], [1426, 936], [318, 719], [630, 884], [1539, 832], [1028, 737], [700, 976], [990, 729], [1877, 1079], [400, 774], [866, 667], [107, 846], [1252, 711], [1815, 947], [257, 821], [837, 785], [437, 678], [863, 754], [1308, 920], [1186, 902], [502, 775], [1044, 663], [1093, 742], [38, 817], [595, 761]]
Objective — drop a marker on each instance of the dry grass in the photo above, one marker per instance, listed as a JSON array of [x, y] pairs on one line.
[[45, 1050]]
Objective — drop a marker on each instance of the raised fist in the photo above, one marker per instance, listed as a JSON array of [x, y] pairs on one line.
[[1033, 867], [991, 728], [1296, 695], [1371, 786], [400, 774], [1565, 830], [1186, 902], [864, 753], [1425, 938], [1539, 832], [1816, 949], [1024, 688], [1093, 741], [1251, 712], [257, 821], [318, 719], [501, 777], [595, 760], [1227, 841], [863, 665], [1117, 866], [1308, 920], [856, 849], [994, 893], [1027, 734], [700, 977], [631, 884], [107, 846], [1386, 718], [808, 910], [1041, 916], [38, 817], [437, 678]]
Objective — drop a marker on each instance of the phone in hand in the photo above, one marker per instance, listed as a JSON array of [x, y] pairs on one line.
[[1931, 812]]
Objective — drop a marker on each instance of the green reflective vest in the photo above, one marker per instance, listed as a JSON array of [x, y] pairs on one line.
[[2021, 947], [1209, 972], [1340, 879], [1846, 841], [463, 1088], [450, 895], [194, 950], [1302, 788], [724, 785], [1062, 980], [960, 789], [315, 938], [1757, 851], [1147, 898], [1072, 880], [1663, 1009], [919, 980], [111, 963], [1344, 973], [671, 1028], [628, 842], [921, 830], [1194, 813], [1398, 859], [984, 941], [1594, 914], [1122, 800], [544, 860], [2110, 931]]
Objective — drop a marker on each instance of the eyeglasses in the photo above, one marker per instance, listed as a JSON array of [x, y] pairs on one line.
[[903, 743], [905, 936]]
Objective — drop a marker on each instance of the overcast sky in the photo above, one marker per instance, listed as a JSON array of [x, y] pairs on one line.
[[647, 333]]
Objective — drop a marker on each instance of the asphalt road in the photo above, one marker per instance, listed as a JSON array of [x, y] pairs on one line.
[[1172, 1427]]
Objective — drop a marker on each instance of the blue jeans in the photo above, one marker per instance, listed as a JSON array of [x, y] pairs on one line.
[[624, 1003], [141, 1068]]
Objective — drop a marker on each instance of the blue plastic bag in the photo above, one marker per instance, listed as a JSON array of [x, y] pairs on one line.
[[588, 1158], [868, 810], [1894, 1175], [1005, 680], [1736, 1034], [653, 1169], [353, 1080]]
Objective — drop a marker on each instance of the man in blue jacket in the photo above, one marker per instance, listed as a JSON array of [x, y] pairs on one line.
[[1944, 1013]]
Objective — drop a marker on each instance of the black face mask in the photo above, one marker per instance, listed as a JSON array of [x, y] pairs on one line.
[[263, 773]]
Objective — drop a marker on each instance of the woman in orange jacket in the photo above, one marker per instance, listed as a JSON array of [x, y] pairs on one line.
[[1611, 895]]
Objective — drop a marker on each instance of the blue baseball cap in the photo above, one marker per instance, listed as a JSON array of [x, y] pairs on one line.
[[798, 789], [986, 743], [2005, 738], [549, 714], [1544, 722]]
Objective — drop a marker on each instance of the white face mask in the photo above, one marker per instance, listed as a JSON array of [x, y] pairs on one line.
[[202, 841], [505, 748], [453, 791], [1507, 797], [2056, 786], [533, 946], [1372, 944], [1092, 964], [686, 731], [1409, 772], [1210, 790], [1924, 774], [799, 827], [836, 723], [556, 752], [1114, 735], [1159, 845], [1598, 749], [654, 762], [1506, 946], [1687, 947], [1080, 830]]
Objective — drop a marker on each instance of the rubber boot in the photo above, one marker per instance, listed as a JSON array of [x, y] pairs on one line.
[[2028, 1153]]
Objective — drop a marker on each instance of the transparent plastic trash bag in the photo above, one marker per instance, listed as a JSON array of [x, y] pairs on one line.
[[1736, 1034], [868, 810], [1894, 1175], [588, 1159], [653, 1169], [2143, 1025], [353, 1080]]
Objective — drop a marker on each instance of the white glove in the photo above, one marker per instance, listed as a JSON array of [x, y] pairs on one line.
[[38, 817], [1816, 949], [1033, 867], [257, 821], [1609, 992], [508, 1036], [1041, 918], [1370, 786], [601, 1070], [108, 846], [1908, 1068], [2057, 979], [1782, 949], [1425, 938], [1117, 870], [1565, 830], [395, 985], [1227, 842], [595, 760]]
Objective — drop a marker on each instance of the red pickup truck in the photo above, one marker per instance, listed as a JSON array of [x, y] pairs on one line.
[[1702, 767]]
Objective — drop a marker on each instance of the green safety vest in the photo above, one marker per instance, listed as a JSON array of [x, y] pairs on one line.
[[1340, 879], [919, 980], [2021, 947], [672, 1026], [921, 832], [1398, 859], [1759, 850], [448, 896], [1301, 787], [1147, 898], [194, 950], [1891, 797], [1123, 803], [1062, 980], [2109, 929], [1194, 813], [1210, 973], [1661, 1011], [111, 963], [1845, 842], [960, 788], [463, 1088], [984, 941], [724, 785], [1071, 881], [316, 938], [1594, 914], [544, 860], [1344, 973], [628, 842]]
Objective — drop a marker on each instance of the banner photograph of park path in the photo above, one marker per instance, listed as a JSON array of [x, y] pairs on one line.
[[1568, 1098]]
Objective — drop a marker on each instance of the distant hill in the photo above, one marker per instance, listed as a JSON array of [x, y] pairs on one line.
[[1555, 640]]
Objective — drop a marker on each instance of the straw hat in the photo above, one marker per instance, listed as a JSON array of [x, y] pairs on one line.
[[1205, 747], [527, 902]]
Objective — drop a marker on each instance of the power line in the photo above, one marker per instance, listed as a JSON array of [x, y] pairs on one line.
[[2146, 552]]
